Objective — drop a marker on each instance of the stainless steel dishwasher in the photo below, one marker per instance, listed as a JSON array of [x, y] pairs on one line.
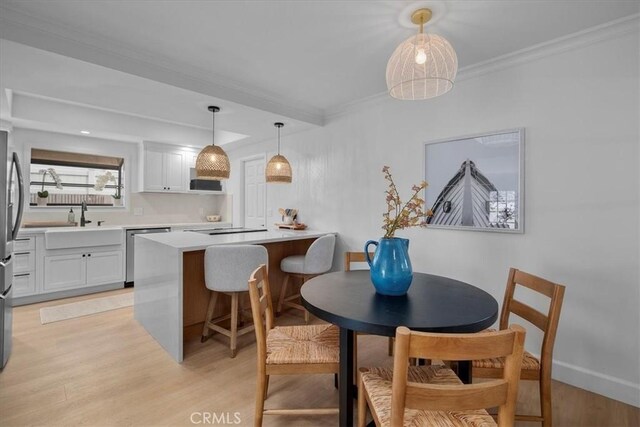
[[131, 233]]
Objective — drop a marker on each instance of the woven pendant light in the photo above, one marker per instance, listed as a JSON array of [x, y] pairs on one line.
[[212, 162], [278, 168], [423, 66]]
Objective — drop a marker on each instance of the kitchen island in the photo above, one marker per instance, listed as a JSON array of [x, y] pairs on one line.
[[170, 296]]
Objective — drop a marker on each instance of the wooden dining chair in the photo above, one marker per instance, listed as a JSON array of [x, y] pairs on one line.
[[532, 367], [286, 350], [353, 257], [433, 395]]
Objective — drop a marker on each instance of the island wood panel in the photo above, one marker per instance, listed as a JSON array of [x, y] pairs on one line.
[[196, 295]]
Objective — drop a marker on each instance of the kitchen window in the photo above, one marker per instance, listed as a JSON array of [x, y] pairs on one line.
[[60, 178]]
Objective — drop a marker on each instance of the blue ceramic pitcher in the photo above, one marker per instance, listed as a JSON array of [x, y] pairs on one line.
[[391, 271]]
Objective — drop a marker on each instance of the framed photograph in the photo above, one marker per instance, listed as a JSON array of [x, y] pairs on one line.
[[476, 182]]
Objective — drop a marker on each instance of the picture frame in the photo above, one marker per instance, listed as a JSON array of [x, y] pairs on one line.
[[476, 182]]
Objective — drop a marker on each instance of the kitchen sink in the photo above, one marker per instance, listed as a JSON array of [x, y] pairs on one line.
[[82, 237]]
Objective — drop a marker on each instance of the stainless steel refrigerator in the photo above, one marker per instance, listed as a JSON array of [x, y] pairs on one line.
[[11, 207]]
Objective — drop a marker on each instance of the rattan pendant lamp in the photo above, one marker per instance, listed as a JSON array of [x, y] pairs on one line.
[[212, 162], [423, 66], [278, 168]]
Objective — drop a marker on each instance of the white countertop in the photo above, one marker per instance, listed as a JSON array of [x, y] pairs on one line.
[[191, 241], [198, 225]]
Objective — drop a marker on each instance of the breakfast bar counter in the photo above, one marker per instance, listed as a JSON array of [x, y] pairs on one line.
[[170, 296]]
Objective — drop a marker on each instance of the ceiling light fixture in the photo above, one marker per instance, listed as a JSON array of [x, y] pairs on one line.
[[423, 66], [278, 168], [212, 162], [85, 132]]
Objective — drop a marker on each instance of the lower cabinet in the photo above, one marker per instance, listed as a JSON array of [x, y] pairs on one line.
[[82, 269], [64, 271], [24, 284], [104, 267]]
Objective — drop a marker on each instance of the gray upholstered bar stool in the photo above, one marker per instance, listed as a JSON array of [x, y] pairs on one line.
[[316, 261], [226, 271]]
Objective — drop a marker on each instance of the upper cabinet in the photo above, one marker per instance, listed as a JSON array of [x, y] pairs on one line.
[[164, 170], [171, 169]]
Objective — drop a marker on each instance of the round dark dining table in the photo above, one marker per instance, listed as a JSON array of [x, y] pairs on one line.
[[433, 304]]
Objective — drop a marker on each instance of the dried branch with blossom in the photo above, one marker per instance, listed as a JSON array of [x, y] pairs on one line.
[[400, 216]]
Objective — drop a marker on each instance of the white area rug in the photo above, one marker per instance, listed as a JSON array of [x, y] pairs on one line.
[[84, 308]]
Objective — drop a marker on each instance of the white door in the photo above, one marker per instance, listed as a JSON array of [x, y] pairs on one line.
[[64, 271], [154, 171], [254, 193], [104, 267], [174, 169]]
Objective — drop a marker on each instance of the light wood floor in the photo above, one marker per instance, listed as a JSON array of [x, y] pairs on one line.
[[105, 370]]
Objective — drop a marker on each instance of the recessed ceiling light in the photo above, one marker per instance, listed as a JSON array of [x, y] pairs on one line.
[[85, 132]]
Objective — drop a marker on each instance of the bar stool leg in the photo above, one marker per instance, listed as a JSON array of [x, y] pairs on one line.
[[207, 319], [234, 323], [283, 292], [241, 313], [306, 313]]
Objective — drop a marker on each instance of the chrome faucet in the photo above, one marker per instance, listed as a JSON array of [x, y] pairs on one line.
[[83, 220]]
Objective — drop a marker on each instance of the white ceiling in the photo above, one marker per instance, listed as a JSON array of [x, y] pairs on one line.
[[295, 59], [44, 83]]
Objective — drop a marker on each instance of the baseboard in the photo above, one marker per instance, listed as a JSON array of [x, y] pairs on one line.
[[32, 299], [596, 382]]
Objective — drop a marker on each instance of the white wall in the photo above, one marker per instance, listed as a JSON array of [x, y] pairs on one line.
[[580, 112], [157, 208]]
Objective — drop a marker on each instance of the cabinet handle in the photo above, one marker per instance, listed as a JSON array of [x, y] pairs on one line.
[[23, 240], [83, 255], [89, 255], [21, 275], [22, 253]]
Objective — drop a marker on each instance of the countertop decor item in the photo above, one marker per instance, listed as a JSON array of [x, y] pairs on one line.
[[278, 169], [423, 66], [43, 194], [296, 226], [391, 271], [212, 162]]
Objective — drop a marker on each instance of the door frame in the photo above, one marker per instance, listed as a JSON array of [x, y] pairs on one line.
[[243, 162]]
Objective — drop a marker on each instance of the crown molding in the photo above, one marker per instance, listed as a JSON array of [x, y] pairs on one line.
[[20, 27], [589, 36]]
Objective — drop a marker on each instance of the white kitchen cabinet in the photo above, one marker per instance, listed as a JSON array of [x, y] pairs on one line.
[[164, 170], [64, 271], [174, 171], [104, 267], [23, 262], [24, 284], [78, 270], [154, 174], [25, 275]]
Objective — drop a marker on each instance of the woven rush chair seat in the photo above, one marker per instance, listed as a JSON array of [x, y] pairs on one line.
[[377, 381], [529, 361], [303, 344]]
